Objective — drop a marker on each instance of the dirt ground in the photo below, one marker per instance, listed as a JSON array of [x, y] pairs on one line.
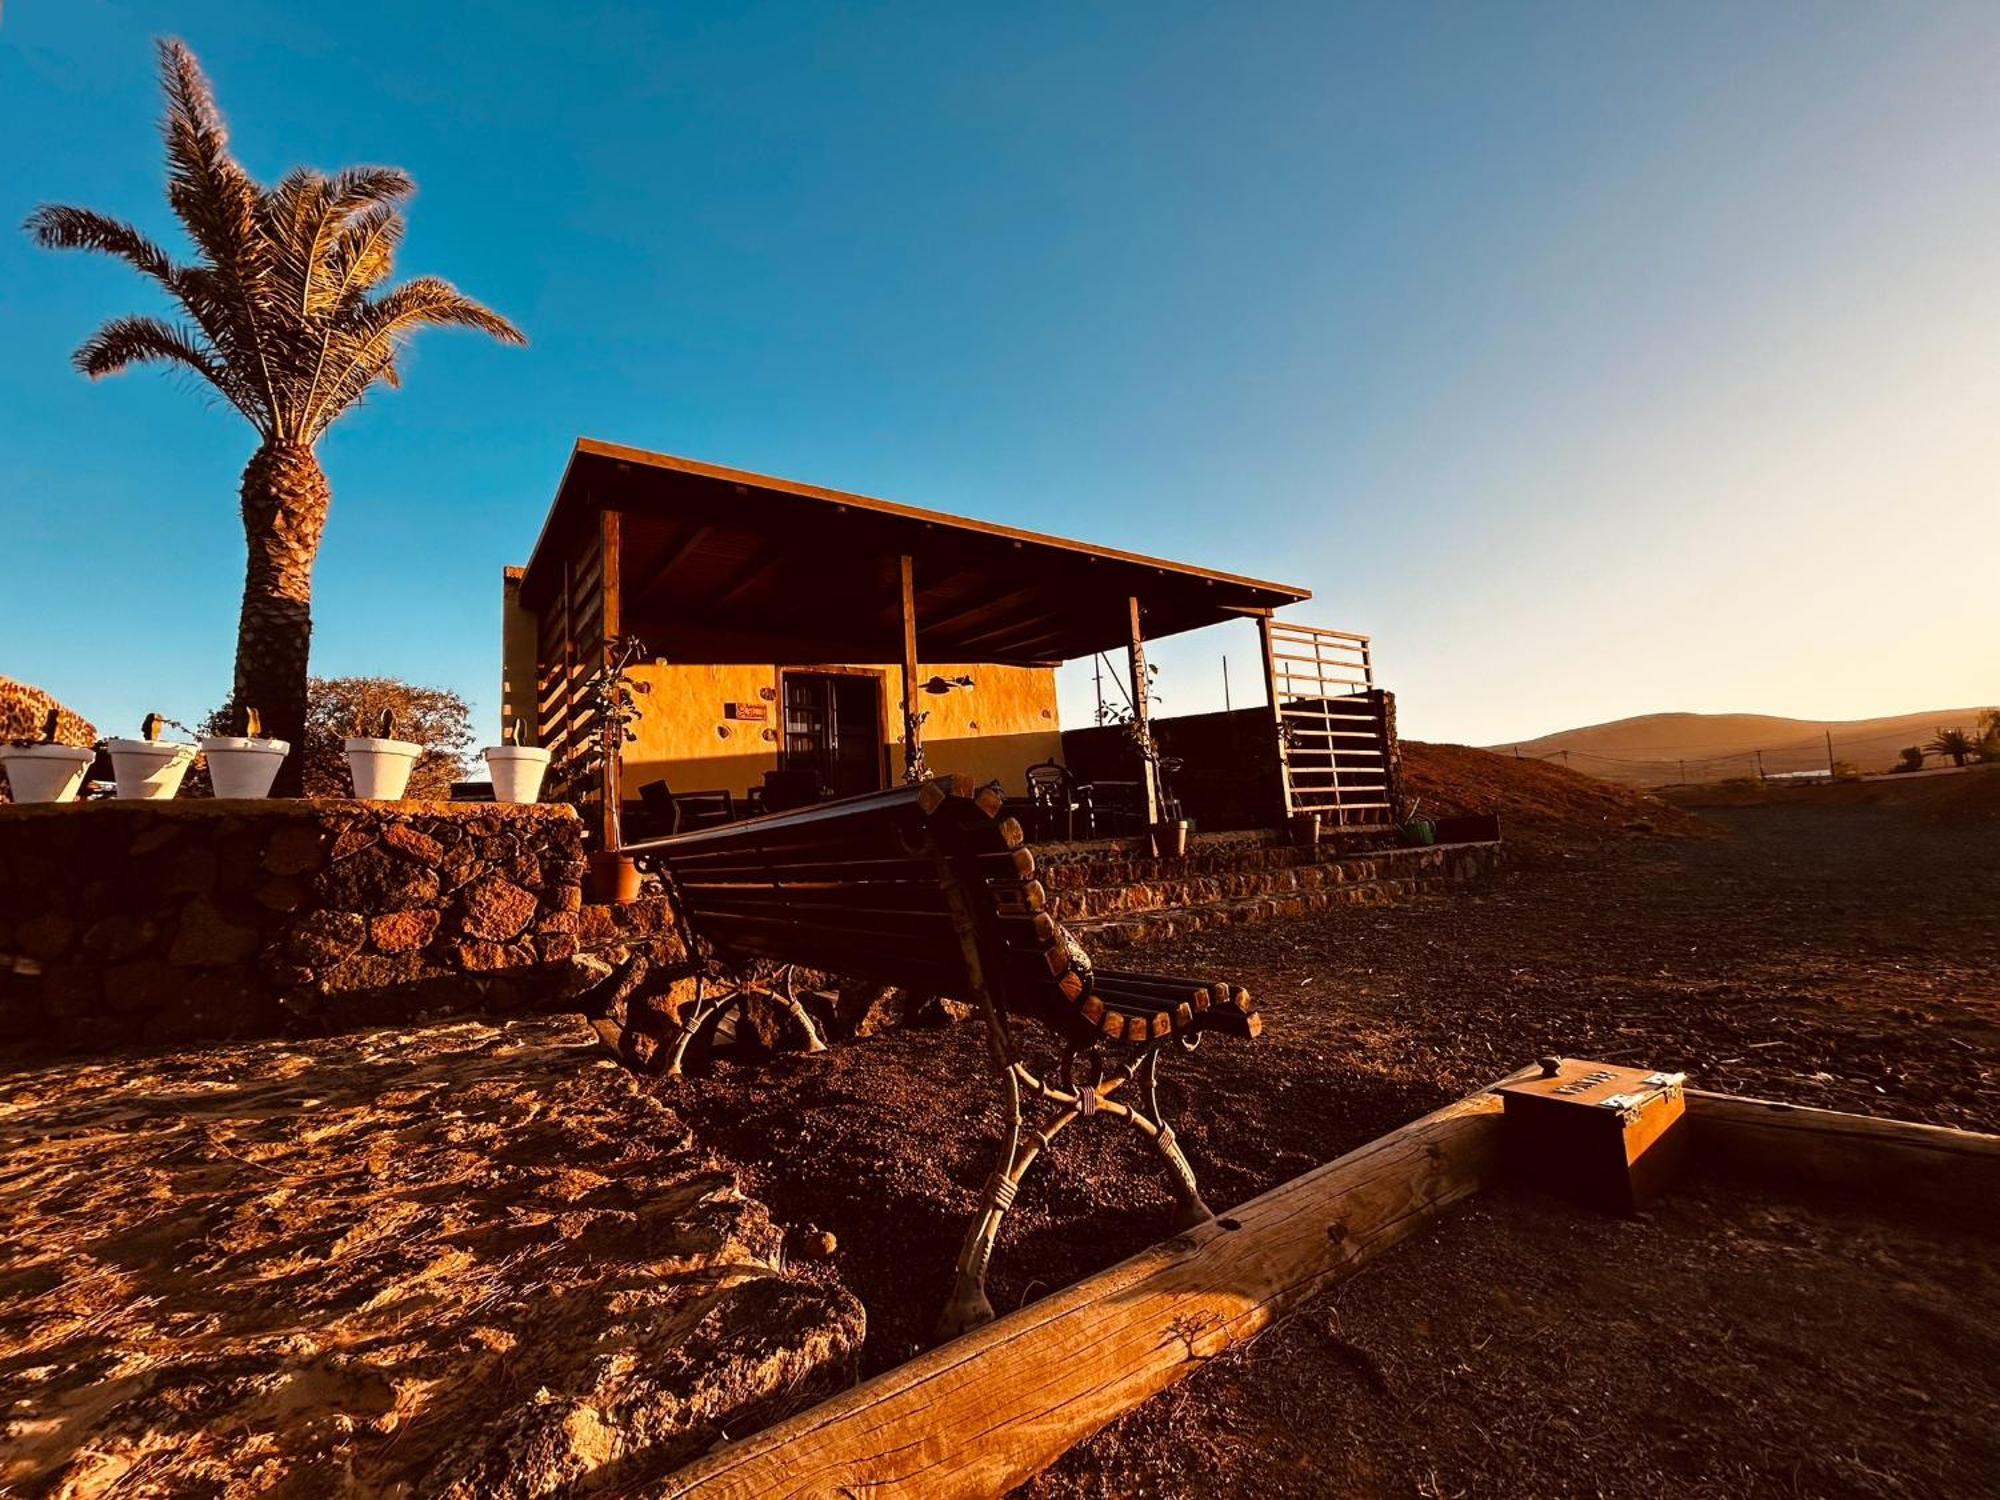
[[1843, 956], [1720, 1345], [462, 1260]]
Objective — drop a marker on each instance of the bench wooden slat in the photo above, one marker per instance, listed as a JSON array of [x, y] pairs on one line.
[[1034, 931], [889, 895], [1013, 864], [891, 803], [1168, 992]]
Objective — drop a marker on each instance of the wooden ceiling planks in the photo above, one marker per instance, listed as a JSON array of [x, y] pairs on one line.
[[754, 568]]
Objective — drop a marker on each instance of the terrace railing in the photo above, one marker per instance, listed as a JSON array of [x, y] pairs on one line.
[[1336, 729]]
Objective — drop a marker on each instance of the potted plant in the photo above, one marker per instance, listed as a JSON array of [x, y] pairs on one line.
[[149, 769], [380, 763], [1168, 837], [517, 769], [43, 771], [1418, 830], [612, 696], [244, 765]]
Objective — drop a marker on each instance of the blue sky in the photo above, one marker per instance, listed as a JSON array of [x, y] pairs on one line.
[[1597, 359]]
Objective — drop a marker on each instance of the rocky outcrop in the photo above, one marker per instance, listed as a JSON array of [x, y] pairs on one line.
[[467, 1260]]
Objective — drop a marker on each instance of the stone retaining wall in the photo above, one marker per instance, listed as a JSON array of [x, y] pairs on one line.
[[127, 923], [1111, 916]]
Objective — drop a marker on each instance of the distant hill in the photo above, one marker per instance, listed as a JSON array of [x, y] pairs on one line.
[[1666, 749], [1542, 807]]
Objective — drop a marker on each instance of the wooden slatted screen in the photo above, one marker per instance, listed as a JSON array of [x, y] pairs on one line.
[[570, 631], [1335, 726]]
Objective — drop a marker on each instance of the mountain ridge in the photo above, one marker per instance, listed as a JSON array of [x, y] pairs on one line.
[[1661, 749]]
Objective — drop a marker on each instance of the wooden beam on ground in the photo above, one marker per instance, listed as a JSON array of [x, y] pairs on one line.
[[980, 1414], [1898, 1163]]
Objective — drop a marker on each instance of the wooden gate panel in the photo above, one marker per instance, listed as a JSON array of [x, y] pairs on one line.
[[1336, 729]]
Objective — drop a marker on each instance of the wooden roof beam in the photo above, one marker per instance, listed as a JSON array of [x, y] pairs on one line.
[[760, 572], [677, 554]]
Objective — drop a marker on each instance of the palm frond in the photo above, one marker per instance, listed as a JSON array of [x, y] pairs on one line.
[[364, 252], [57, 226], [363, 347], [307, 218], [434, 302], [219, 203], [124, 342]]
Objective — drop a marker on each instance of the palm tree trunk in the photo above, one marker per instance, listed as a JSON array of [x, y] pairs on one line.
[[285, 500]]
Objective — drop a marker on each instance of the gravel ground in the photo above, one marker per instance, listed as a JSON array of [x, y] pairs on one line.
[[1720, 1345], [1843, 956]]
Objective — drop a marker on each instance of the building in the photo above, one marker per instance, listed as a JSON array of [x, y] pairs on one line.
[[795, 629]]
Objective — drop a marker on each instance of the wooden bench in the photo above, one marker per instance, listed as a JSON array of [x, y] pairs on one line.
[[926, 886]]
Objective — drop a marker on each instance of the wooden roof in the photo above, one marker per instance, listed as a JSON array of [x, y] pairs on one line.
[[719, 565]]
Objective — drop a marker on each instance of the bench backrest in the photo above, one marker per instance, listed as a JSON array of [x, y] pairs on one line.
[[913, 886]]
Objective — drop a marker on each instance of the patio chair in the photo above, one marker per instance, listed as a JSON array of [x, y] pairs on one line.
[[786, 790], [1058, 798], [664, 812]]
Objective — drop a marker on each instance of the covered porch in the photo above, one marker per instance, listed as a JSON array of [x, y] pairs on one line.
[[806, 642]]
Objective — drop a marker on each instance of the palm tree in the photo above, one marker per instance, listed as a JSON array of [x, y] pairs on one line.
[[1955, 743], [288, 319]]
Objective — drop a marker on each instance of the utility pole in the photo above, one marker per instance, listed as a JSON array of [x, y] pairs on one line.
[[1760, 765], [1097, 680], [1225, 682], [1829, 755]]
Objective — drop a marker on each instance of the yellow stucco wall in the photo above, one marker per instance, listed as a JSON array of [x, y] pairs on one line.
[[992, 732]]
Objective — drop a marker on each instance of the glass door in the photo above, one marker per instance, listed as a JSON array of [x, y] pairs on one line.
[[833, 728]]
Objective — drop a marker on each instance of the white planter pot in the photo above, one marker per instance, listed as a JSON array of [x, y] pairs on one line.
[[381, 768], [241, 767], [149, 770], [517, 771], [46, 773]]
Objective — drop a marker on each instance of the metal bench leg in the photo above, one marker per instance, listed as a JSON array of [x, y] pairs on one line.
[[797, 1011], [1191, 1212], [700, 1016], [705, 1017], [969, 1305]]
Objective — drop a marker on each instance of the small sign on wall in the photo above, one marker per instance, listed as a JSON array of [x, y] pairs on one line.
[[749, 712]]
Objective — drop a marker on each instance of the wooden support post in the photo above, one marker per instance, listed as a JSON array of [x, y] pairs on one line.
[[1142, 714], [914, 768], [1392, 757], [1277, 719], [612, 772]]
